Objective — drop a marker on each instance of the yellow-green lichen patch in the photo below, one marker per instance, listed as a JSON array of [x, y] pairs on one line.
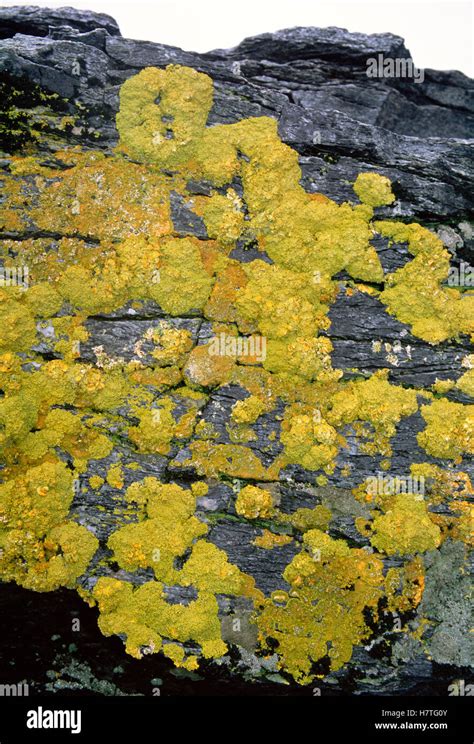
[[308, 440], [404, 586], [405, 527], [414, 293], [466, 383], [269, 540], [373, 189], [222, 215], [40, 548], [306, 519], [168, 530], [234, 460], [253, 502], [146, 618], [449, 432], [377, 402], [323, 616], [247, 411], [184, 284], [122, 253]]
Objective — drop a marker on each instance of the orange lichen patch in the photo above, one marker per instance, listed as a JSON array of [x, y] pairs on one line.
[[173, 344], [253, 502], [269, 540], [404, 586], [445, 485], [221, 303], [167, 531], [206, 369], [96, 196]]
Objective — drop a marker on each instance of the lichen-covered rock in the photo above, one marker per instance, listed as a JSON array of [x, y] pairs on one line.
[[236, 409]]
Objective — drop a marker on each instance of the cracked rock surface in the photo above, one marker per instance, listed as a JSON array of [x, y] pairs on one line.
[[313, 82]]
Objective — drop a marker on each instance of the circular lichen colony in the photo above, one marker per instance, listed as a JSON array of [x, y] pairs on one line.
[[60, 414]]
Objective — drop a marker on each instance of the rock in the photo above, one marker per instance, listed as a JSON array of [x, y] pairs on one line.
[[65, 68]]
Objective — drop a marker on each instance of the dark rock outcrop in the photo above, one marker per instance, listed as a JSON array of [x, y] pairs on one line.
[[314, 83]]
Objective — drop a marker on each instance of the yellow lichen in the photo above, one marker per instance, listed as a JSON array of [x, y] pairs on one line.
[[122, 251], [405, 527], [373, 189], [253, 502]]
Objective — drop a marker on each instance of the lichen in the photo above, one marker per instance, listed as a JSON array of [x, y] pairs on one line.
[[253, 502], [405, 528], [373, 189], [450, 429], [114, 245], [324, 614]]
